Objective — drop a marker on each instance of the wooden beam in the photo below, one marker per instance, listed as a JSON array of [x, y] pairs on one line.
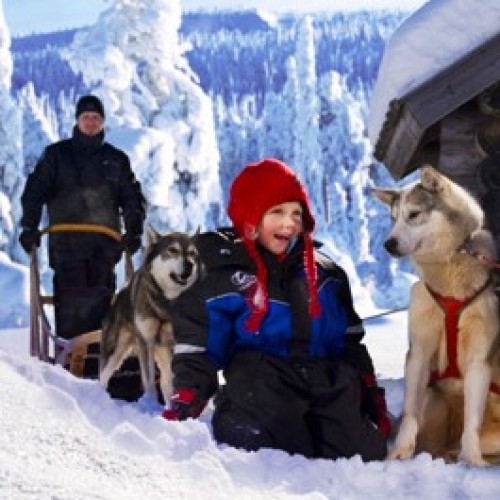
[[456, 85], [423, 107], [404, 142]]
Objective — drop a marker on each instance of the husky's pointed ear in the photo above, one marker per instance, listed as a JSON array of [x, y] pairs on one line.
[[432, 180], [198, 231], [152, 235], [387, 196]]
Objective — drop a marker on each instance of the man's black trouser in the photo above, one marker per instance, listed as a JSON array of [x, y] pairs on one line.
[[304, 405], [83, 289]]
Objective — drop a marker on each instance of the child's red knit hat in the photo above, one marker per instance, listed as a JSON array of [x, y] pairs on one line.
[[257, 188]]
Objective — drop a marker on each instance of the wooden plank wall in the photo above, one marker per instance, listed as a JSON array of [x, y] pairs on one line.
[[459, 153]]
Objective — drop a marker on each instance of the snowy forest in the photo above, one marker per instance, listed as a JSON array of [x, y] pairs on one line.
[[194, 97]]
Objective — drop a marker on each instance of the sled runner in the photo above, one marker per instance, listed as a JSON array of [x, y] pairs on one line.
[[76, 346]]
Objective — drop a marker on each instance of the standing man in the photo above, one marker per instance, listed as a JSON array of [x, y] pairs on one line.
[[83, 180]]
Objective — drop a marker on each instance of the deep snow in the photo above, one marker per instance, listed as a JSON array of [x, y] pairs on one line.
[[64, 438]]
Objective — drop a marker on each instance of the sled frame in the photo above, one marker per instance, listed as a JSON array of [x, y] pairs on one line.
[[41, 331]]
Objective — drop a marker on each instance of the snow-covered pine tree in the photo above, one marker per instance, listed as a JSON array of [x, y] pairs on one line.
[[288, 111], [11, 175], [39, 125], [133, 60], [276, 138], [345, 156], [232, 143], [332, 138], [306, 159]]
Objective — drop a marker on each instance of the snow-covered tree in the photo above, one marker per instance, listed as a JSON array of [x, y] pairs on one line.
[[288, 109], [276, 138], [306, 159], [11, 177], [345, 156], [133, 60], [39, 125], [238, 139]]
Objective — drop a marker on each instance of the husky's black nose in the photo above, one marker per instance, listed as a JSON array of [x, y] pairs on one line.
[[391, 245], [188, 269]]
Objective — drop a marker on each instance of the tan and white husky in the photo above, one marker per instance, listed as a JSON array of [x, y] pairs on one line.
[[452, 371]]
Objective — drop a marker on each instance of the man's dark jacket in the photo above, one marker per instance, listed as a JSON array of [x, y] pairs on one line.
[[88, 181]]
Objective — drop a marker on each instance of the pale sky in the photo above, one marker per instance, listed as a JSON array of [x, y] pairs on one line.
[[40, 16], [302, 5]]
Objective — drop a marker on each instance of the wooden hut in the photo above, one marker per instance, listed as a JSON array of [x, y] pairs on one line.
[[451, 121], [448, 113]]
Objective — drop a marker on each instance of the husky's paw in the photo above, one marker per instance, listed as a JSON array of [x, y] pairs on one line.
[[401, 452], [470, 451], [406, 439], [475, 459]]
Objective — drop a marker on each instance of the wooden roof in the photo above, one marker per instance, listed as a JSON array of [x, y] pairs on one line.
[[410, 134]]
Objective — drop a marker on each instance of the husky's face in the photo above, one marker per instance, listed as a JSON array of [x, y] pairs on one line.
[[411, 213], [429, 220], [174, 262]]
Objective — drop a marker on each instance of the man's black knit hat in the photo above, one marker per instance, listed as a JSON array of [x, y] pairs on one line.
[[89, 103]]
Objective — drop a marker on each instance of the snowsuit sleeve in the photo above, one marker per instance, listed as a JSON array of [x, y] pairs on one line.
[[191, 364], [355, 352]]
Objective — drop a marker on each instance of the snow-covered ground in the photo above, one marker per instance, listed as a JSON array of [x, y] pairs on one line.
[[64, 438]]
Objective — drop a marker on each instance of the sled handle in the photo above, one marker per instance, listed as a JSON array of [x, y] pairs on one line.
[[93, 228], [86, 228]]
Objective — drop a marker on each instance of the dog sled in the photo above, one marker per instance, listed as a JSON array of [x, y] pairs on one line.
[[77, 350]]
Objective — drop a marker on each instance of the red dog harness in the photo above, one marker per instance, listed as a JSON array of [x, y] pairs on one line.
[[452, 309]]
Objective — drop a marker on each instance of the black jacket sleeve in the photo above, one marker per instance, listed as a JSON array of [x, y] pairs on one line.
[[131, 200], [38, 188]]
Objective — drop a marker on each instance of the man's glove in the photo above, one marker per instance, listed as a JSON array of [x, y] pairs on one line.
[[29, 238], [185, 403], [374, 405], [131, 243]]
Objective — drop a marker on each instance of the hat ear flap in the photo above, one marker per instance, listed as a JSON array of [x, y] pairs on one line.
[[312, 276], [250, 232], [258, 299]]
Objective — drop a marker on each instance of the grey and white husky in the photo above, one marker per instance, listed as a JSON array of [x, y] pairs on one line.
[[139, 321]]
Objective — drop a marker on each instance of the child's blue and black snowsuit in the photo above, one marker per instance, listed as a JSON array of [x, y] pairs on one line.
[[296, 384]]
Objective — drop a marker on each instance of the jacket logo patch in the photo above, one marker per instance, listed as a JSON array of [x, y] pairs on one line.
[[242, 280]]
